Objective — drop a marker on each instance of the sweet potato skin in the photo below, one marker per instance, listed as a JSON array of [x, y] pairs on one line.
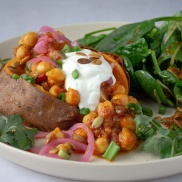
[[38, 109]]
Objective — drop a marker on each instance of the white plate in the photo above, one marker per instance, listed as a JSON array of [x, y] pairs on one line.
[[134, 166]]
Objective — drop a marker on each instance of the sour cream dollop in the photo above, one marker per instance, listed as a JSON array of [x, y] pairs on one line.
[[90, 77]]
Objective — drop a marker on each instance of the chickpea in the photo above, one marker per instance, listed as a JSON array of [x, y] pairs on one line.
[[22, 52], [117, 89], [80, 135], [55, 134], [72, 97], [128, 122], [87, 119], [55, 90], [33, 69], [29, 39], [55, 76], [105, 109], [101, 145], [120, 99], [127, 139], [43, 67]]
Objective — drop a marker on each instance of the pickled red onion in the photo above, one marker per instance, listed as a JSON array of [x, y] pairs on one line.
[[45, 38], [42, 44], [57, 36], [41, 134], [41, 47], [81, 147], [109, 82], [44, 58], [35, 150], [90, 139]]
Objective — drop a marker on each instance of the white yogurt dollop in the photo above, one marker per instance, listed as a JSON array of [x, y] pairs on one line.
[[90, 78]]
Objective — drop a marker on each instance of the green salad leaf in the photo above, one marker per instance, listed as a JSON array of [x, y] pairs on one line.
[[157, 138]]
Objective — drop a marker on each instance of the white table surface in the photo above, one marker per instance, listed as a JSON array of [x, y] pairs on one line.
[[20, 16]]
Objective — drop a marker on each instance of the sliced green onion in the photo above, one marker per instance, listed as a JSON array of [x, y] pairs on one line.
[[60, 63], [84, 110], [75, 74], [162, 109], [111, 151], [76, 49], [66, 48], [15, 76], [147, 111], [28, 78], [136, 106], [62, 96], [64, 155]]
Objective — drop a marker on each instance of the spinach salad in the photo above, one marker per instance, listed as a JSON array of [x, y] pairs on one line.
[[152, 55]]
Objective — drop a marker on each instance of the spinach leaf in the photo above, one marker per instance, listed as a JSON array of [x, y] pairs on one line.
[[129, 68], [171, 42], [136, 51], [124, 35], [151, 87], [155, 44], [178, 95], [170, 78], [171, 47], [91, 40], [143, 127]]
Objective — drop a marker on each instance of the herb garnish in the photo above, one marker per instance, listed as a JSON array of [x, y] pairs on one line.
[[158, 138], [14, 133], [28, 78]]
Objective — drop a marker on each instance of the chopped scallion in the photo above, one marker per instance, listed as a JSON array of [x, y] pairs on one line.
[[60, 63], [111, 151], [84, 110], [64, 155], [162, 109], [76, 49], [75, 74], [15, 76], [66, 48], [147, 111], [62, 96], [136, 107], [28, 78]]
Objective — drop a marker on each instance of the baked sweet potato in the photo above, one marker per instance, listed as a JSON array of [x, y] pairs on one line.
[[38, 109]]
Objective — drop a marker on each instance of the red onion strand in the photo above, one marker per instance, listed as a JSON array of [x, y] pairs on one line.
[[44, 58]]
